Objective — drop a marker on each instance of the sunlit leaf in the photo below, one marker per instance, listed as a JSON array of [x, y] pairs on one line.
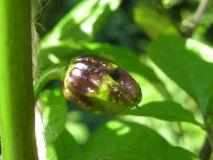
[[64, 148], [186, 65], [51, 153], [170, 3], [152, 22], [54, 108], [61, 52], [130, 141], [165, 110], [78, 130], [123, 56], [83, 22]]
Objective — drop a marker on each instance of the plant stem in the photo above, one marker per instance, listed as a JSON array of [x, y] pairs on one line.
[[55, 72], [210, 137], [16, 84], [206, 150], [197, 16], [192, 25]]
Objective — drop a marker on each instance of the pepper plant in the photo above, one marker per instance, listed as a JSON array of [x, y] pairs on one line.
[[16, 94], [137, 99]]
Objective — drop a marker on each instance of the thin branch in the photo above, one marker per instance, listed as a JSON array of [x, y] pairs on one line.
[[191, 26], [197, 16], [205, 152]]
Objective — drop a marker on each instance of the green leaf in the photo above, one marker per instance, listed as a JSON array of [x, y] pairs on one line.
[[51, 153], [165, 110], [152, 22], [54, 108], [83, 22], [128, 141], [123, 56], [186, 62], [57, 53], [64, 148]]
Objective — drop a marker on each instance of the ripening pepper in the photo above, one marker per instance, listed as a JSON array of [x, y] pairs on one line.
[[100, 86]]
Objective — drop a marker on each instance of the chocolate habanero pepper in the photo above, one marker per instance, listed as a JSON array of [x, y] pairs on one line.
[[100, 86]]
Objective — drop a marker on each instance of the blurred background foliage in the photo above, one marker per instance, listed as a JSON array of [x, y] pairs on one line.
[[153, 40]]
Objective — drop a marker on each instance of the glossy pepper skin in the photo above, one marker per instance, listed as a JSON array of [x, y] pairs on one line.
[[100, 86]]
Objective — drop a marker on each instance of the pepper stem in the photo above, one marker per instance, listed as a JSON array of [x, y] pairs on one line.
[[55, 72]]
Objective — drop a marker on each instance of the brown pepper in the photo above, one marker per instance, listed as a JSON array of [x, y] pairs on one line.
[[100, 86]]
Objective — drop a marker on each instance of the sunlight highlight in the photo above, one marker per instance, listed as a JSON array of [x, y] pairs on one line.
[[39, 132], [204, 51], [119, 127], [53, 58]]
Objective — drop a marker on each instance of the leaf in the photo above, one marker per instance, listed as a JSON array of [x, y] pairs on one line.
[[123, 56], [165, 110], [185, 64], [64, 148], [152, 22], [83, 22], [51, 153], [130, 141], [54, 108], [57, 53]]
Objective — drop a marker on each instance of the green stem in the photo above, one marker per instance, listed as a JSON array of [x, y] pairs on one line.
[[210, 137], [16, 84], [192, 25], [209, 128], [53, 73], [205, 153]]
